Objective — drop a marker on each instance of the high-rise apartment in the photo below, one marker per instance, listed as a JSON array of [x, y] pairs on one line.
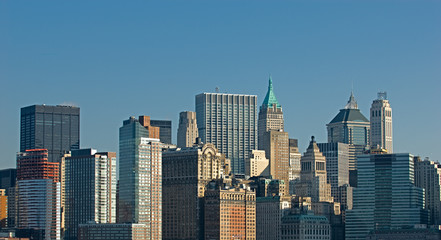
[[386, 197], [186, 173], [313, 178], [90, 189], [140, 177], [270, 115], [230, 213], [337, 165], [38, 193], [55, 128], [229, 121], [428, 176], [165, 130], [381, 123], [187, 130], [276, 146]]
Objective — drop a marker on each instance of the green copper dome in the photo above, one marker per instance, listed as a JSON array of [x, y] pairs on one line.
[[270, 98]]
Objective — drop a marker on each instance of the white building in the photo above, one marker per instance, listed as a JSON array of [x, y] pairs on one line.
[[381, 123]]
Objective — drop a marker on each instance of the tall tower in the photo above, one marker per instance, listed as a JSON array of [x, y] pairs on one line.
[[277, 151], [229, 122], [187, 130], [270, 115], [381, 123], [39, 193], [140, 181], [90, 181], [55, 128], [313, 178]]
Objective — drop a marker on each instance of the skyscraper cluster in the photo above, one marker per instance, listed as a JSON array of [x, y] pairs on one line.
[[235, 173]]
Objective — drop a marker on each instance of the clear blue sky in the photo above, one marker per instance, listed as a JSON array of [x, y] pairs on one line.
[[115, 59]]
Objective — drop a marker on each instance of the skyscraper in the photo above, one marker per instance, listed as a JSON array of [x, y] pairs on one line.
[[276, 146], [8, 178], [186, 173], [313, 178], [228, 121], [55, 128], [428, 176], [381, 123], [187, 130], [165, 130], [38, 193], [270, 115], [386, 197], [140, 181], [90, 183]]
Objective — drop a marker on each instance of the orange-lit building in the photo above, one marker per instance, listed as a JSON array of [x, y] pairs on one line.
[[3, 208], [38, 193], [230, 214], [145, 122]]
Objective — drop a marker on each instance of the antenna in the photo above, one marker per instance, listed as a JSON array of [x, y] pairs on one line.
[[217, 89]]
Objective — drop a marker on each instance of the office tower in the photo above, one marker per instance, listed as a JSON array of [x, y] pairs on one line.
[[186, 173], [313, 177], [165, 130], [140, 177], [337, 165], [187, 130], [153, 131], [294, 164], [428, 177], [228, 121], [8, 179], [257, 164], [3, 209], [386, 197], [270, 115], [55, 128], [349, 126], [90, 189], [113, 231], [230, 213], [276, 146], [381, 123], [269, 213], [39, 193]]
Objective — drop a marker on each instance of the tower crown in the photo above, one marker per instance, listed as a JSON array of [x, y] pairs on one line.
[[270, 98], [352, 103]]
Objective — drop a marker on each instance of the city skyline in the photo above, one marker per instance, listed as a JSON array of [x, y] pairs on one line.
[[318, 55]]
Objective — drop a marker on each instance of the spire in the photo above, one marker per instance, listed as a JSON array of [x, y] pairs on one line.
[[352, 103], [270, 98]]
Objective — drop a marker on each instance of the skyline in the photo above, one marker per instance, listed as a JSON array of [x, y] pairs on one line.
[[112, 70]]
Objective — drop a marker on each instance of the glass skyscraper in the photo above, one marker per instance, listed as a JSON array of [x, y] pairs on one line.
[[140, 178], [386, 197], [55, 128], [229, 121]]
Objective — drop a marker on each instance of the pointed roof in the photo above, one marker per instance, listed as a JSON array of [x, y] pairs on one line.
[[350, 113], [352, 103], [270, 98]]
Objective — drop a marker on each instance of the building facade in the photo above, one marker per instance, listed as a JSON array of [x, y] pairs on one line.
[[386, 197], [428, 177], [269, 213], [55, 128], [186, 173], [90, 189], [8, 178], [257, 164], [38, 193], [119, 231], [305, 226], [230, 214], [276, 146], [187, 130], [381, 123], [140, 181], [165, 130], [229, 121], [3, 209], [337, 165], [270, 115]]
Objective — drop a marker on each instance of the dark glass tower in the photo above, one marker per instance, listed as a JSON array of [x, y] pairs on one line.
[[56, 128], [165, 130]]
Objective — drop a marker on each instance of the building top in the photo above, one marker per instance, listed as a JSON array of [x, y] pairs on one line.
[[352, 103], [270, 98], [228, 94], [350, 113]]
